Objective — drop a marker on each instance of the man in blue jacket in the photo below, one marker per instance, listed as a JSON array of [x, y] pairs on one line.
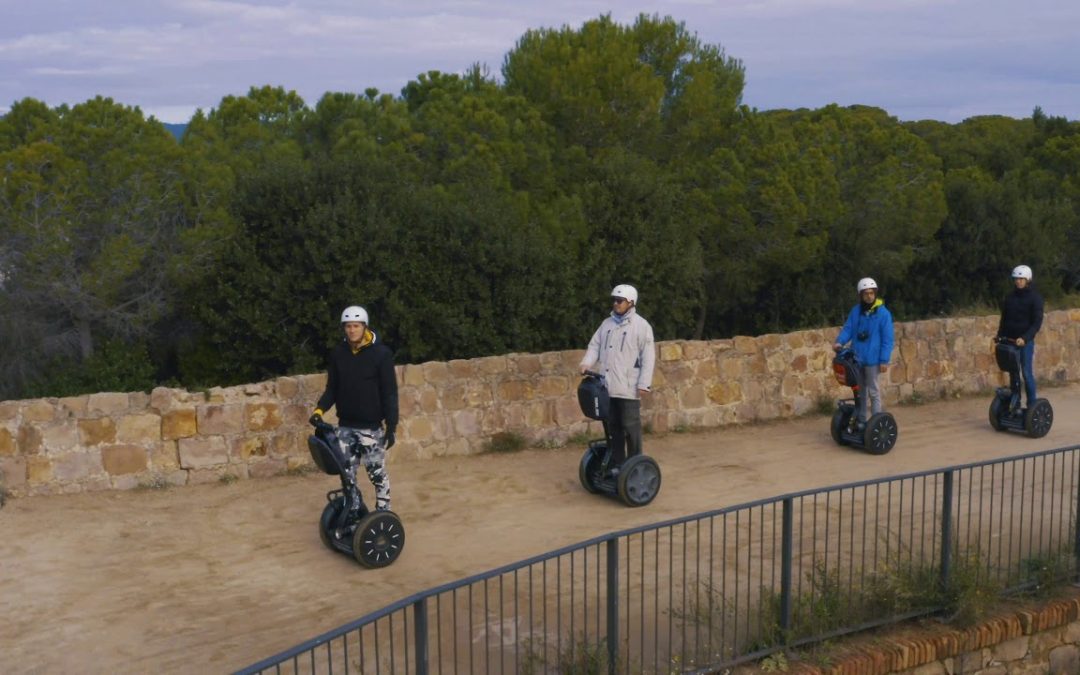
[[869, 327]]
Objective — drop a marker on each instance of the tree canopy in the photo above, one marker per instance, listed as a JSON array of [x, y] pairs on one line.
[[474, 215]]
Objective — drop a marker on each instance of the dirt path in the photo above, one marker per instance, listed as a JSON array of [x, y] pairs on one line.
[[214, 577]]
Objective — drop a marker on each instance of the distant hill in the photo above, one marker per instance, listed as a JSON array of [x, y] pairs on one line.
[[176, 129]]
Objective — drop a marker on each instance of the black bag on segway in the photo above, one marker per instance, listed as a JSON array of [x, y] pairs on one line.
[[593, 397]]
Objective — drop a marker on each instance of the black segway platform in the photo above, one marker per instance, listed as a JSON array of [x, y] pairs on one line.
[[373, 538], [637, 481], [1006, 414], [878, 435]]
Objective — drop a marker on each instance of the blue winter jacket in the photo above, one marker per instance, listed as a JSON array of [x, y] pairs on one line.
[[876, 325]]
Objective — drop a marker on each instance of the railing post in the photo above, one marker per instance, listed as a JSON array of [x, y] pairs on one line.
[[612, 603], [785, 570], [946, 529], [420, 623], [1076, 533]]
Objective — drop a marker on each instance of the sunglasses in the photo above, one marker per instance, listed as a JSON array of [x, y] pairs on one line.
[[619, 301]]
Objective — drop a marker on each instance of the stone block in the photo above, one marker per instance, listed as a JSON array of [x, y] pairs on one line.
[[143, 428], [745, 345], [12, 472], [178, 423], [9, 410], [461, 368], [97, 431], [454, 397], [73, 406], [38, 470], [107, 404], [567, 411], [39, 411], [296, 413], [429, 400], [670, 351], [693, 397], [7, 443], [220, 419], [252, 446], [200, 453], [413, 375], [1011, 650], [77, 466], [1072, 633], [165, 456], [706, 369], [527, 364], [490, 365], [28, 440], [723, 393], [538, 414], [514, 390], [287, 388], [60, 437], [263, 416], [124, 459], [554, 385], [1065, 659], [466, 422], [418, 429], [436, 372], [311, 386]]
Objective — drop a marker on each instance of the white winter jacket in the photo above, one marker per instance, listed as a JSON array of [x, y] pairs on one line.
[[626, 354]]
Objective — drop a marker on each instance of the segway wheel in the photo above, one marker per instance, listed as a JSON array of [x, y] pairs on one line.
[[379, 539], [839, 421], [639, 480], [590, 464], [326, 521], [995, 413], [1039, 418], [880, 434]]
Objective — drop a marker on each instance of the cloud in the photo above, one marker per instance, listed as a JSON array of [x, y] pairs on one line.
[[798, 53]]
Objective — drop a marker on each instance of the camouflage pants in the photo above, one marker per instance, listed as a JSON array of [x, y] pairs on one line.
[[370, 446]]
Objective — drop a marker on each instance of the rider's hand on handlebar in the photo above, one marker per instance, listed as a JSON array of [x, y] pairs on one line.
[[837, 347], [315, 420]]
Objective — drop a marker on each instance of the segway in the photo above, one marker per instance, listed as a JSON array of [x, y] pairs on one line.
[[636, 482], [373, 538], [1005, 411], [878, 435]]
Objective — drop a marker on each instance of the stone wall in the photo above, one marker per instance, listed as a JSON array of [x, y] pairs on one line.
[[171, 436], [1044, 641]]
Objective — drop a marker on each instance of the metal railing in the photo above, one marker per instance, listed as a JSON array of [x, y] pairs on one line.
[[732, 585]]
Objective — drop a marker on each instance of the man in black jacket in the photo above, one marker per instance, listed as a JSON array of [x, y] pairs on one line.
[[1021, 319], [361, 382]]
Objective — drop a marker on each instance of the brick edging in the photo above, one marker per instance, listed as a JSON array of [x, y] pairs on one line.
[[903, 654]]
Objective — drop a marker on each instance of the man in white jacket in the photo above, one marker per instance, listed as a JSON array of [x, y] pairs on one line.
[[623, 351]]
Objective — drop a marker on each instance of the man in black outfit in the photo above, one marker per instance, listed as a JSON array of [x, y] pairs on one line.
[[361, 382], [1021, 319]]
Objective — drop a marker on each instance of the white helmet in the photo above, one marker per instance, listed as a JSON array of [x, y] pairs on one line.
[[1022, 272], [625, 291], [354, 313], [865, 283]]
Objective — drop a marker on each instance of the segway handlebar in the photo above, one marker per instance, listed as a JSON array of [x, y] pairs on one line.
[[592, 373]]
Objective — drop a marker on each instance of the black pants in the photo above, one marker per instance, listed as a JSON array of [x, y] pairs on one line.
[[624, 428]]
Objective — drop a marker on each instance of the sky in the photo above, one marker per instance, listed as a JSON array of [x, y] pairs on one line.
[[917, 59]]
